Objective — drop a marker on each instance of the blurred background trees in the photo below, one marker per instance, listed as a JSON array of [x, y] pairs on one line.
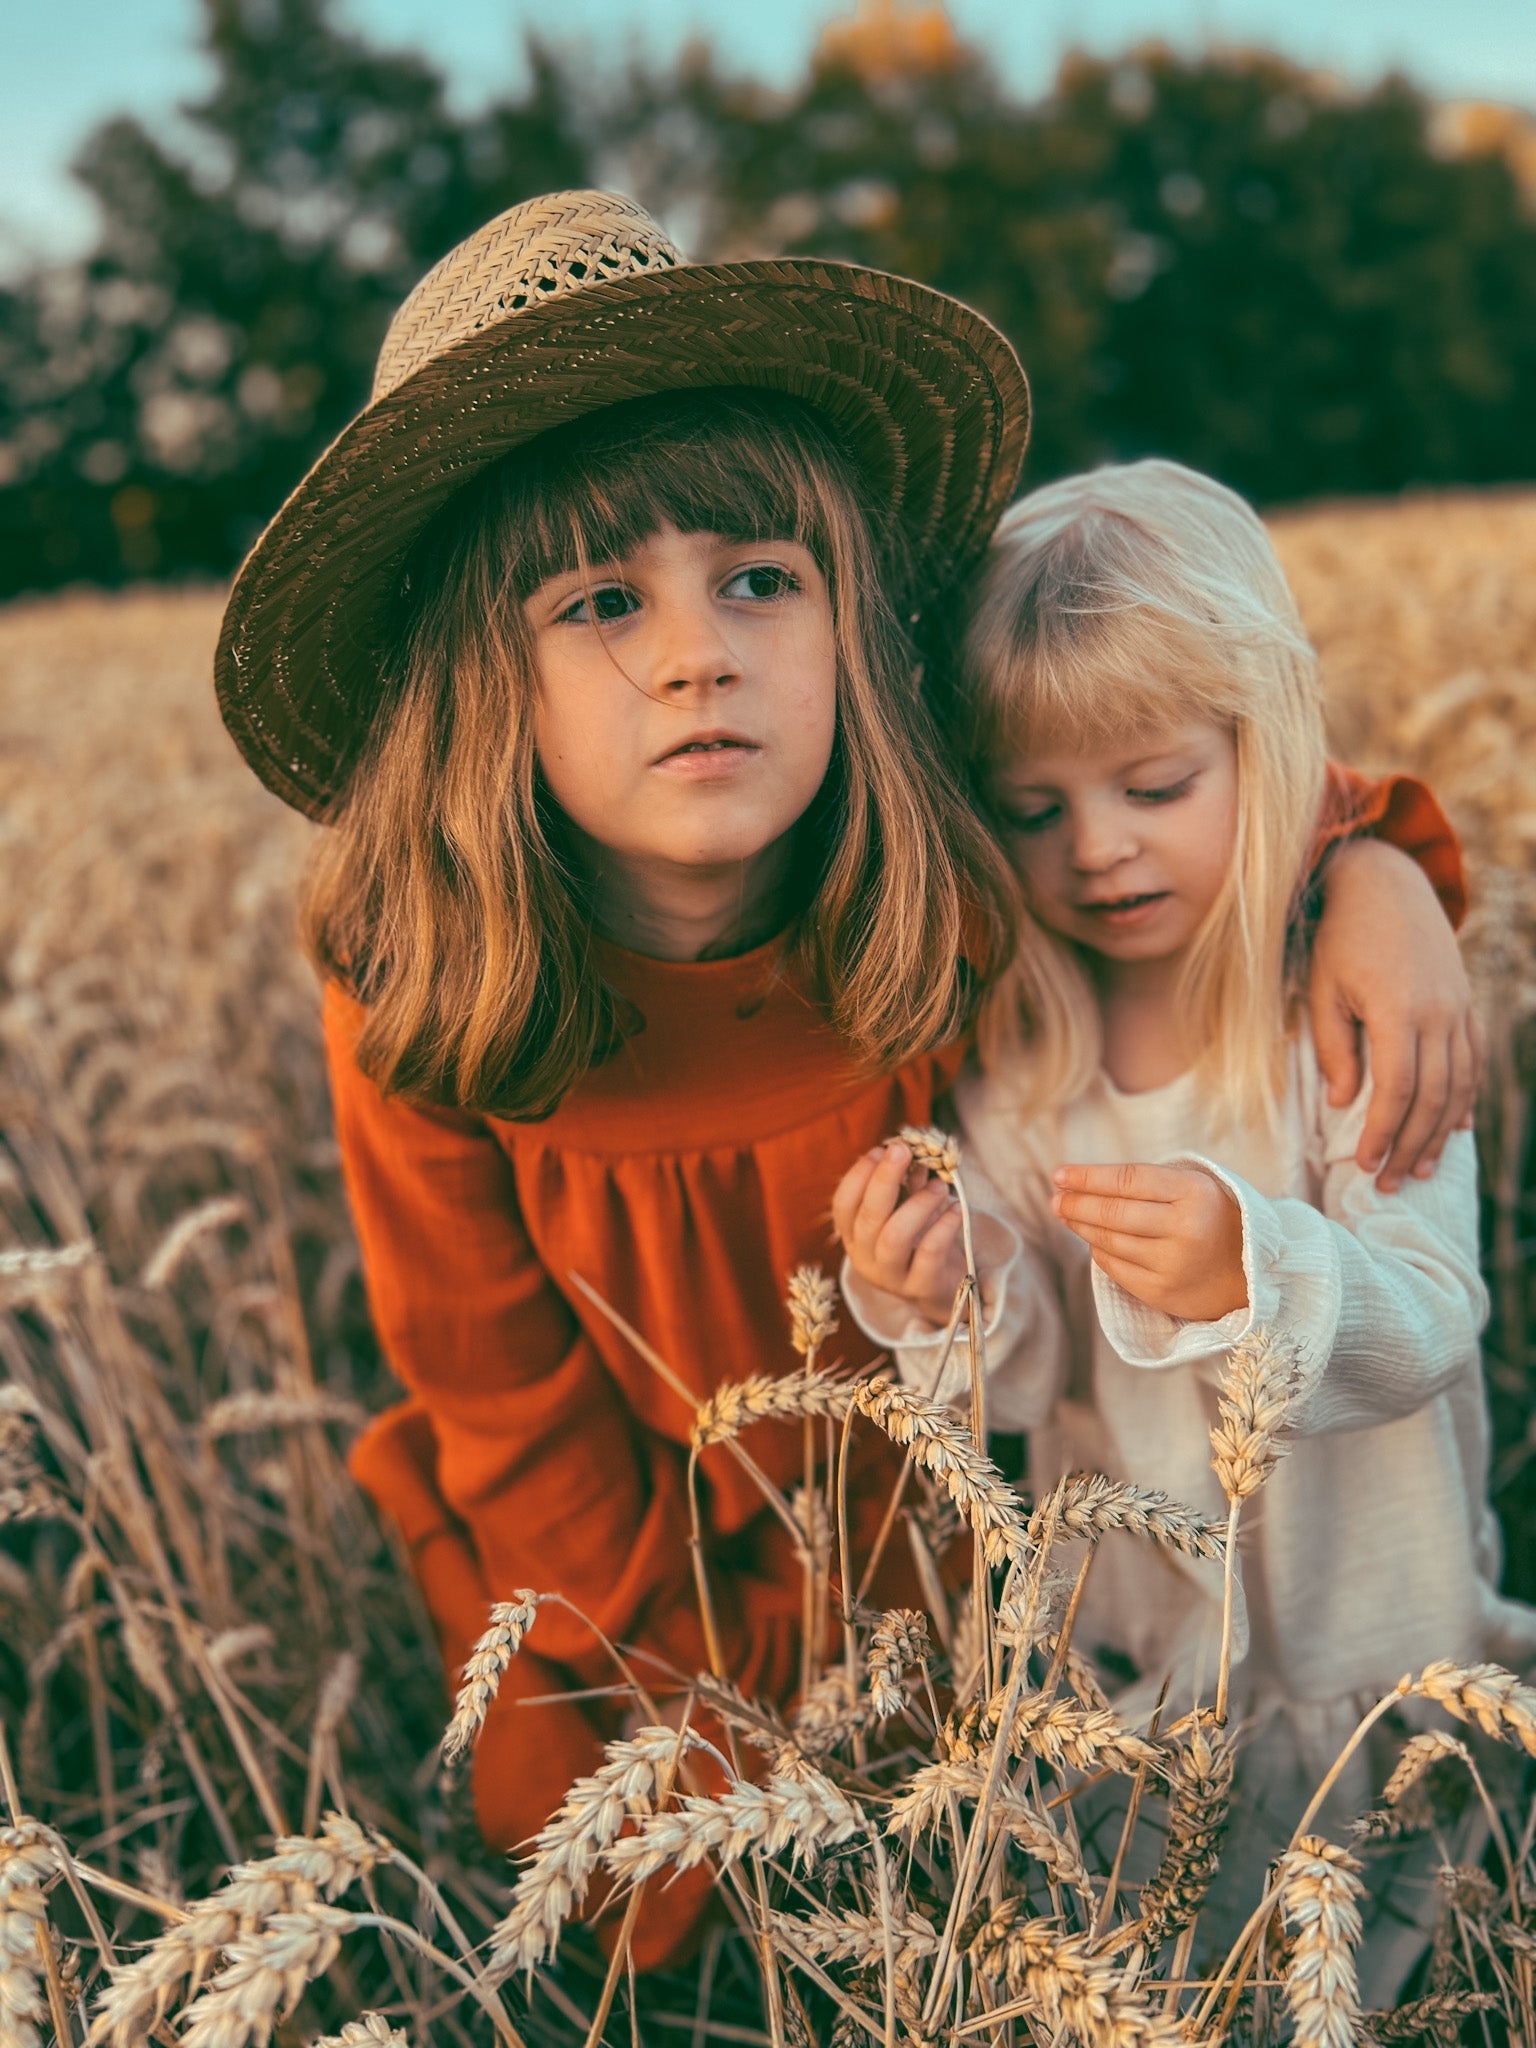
[[1227, 259]]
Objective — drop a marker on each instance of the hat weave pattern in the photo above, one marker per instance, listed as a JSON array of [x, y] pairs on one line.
[[557, 309], [562, 243]]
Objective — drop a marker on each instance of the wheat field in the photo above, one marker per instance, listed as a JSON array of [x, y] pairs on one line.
[[207, 1646]]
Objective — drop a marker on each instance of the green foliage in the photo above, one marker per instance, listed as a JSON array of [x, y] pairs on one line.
[[160, 400], [1224, 259]]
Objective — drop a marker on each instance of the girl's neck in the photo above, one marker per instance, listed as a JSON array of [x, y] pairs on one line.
[[669, 912], [1145, 1045]]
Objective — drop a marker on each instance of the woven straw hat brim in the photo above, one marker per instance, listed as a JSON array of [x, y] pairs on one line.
[[926, 394]]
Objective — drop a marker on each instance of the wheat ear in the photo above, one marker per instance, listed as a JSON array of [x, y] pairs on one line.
[[28, 1864], [801, 1811], [553, 1883], [300, 1867], [812, 1296], [1485, 1693], [1435, 2017], [370, 2030], [1054, 1976], [1258, 1388], [264, 1976], [1090, 1504], [849, 1937], [486, 1667], [942, 1445], [1199, 1798], [899, 1640], [739, 1403], [1319, 1885]]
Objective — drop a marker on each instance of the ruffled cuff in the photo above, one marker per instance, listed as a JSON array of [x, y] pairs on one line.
[[914, 1343], [1291, 1268]]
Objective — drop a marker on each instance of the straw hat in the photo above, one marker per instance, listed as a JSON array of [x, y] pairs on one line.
[[556, 308]]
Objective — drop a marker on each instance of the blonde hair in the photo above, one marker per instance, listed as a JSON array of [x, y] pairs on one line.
[[1111, 606], [445, 898]]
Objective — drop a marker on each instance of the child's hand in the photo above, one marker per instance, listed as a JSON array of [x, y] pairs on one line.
[[901, 1230], [1170, 1235]]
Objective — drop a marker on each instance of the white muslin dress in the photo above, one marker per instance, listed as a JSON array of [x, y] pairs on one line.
[[1372, 1549]]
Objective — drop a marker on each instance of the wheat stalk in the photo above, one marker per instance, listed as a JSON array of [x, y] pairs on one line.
[[485, 1668], [1077, 1671], [239, 1414], [1319, 1885]]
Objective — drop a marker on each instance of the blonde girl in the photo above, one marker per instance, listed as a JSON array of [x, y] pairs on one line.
[[645, 890], [1150, 1123]]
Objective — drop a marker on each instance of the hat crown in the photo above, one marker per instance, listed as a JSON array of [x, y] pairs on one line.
[[539, 250]]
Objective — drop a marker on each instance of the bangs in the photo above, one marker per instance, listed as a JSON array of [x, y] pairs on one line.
[[745, 465], [1090, 674], [1122, 603]]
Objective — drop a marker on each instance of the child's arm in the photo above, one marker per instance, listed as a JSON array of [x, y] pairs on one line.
[[1381, 1294], [901, 1233], [1385, 961]]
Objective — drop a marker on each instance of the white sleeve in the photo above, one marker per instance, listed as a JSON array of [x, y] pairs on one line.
[[1023, 1328], [1380, 1293]]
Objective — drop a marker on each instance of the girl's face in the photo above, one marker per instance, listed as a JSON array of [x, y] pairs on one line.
[[1124, 850], [687, 697]]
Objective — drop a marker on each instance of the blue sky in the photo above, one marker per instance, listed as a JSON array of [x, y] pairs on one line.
[[65, 64]]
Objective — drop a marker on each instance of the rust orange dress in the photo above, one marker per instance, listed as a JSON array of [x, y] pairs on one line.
[[683, 1180]]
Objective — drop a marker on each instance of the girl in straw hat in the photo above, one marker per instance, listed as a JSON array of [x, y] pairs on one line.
[[647, 891]]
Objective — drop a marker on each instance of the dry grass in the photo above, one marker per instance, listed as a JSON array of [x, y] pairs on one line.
[[205, 1643]]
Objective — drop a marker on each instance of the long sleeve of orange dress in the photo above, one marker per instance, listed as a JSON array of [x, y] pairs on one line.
[[683, 1180]]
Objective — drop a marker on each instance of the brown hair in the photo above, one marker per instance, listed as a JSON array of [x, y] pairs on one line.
[[443, 898]]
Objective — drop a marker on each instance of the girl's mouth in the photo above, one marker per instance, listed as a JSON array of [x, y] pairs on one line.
[[1123, 911], [708, 756]]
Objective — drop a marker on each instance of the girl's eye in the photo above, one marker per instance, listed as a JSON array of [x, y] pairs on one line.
[[1032, 821], [763, 580], [608, 601], [1168, 794]]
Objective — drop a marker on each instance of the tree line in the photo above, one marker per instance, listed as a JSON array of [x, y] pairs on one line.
[[1224, 258]]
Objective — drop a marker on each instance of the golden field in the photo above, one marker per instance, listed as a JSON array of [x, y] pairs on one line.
[[205, 1643]]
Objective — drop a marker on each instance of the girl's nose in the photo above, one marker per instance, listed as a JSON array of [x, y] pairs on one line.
[[1101, 839], [691, 655]]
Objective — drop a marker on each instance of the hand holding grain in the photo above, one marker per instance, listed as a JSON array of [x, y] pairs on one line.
[[901, 1230], [1170, 1235]]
